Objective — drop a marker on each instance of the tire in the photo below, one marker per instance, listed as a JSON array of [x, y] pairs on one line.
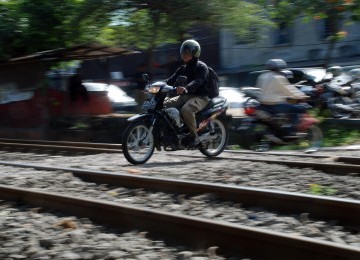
[[215, 147], [138, 143], [254, 138], [313, 139], [336, 112]]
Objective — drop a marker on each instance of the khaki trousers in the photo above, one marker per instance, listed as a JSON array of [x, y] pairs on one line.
[[188, 105]]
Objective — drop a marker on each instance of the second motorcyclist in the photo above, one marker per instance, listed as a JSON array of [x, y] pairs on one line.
[[276, 90]]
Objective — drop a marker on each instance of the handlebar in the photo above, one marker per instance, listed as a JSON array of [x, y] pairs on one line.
[[292, 100], [180, 81]]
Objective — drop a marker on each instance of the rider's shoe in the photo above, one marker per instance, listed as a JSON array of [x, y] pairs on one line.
[[190, 140], [195, 141]]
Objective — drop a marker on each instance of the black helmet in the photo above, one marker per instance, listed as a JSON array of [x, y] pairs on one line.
[[190, 46], [275, 64]]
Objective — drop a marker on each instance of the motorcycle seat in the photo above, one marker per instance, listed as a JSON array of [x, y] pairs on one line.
[[214, 102]]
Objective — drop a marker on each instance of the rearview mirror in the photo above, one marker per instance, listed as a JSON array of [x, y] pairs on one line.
[[145, 77]]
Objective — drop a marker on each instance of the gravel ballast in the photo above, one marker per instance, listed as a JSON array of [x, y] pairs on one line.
[[244, 173]]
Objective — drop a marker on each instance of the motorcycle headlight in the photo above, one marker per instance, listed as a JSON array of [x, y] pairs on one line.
[[154, 89]]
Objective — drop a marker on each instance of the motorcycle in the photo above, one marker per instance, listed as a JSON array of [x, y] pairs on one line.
[[261, 129], [345, 99], [313, 85], [159, 127]]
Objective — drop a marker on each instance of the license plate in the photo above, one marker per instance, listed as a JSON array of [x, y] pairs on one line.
[[149, 104]]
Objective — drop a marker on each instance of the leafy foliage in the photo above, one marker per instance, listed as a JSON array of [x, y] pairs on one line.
[[27, 26], [317, 189]]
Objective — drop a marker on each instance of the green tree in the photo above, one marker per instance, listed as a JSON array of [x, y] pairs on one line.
[[10, 29], [145, 25], [336, 12], [28, 26]]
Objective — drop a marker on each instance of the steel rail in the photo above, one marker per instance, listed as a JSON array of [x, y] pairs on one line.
[[344, 159], [333, 168], [352, 167], [118, 147], [346, 211], [52, 147], [63, 143], [192, 231]]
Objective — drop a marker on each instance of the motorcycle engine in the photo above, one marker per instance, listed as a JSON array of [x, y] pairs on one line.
[[169, 137]]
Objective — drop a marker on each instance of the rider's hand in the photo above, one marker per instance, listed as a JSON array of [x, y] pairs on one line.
[[305, 97], [181, 90]]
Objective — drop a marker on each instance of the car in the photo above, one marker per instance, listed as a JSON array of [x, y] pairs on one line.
[[118, 98], [236, 100]]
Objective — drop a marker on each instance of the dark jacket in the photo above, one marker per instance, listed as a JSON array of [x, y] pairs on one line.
[[196, 72]]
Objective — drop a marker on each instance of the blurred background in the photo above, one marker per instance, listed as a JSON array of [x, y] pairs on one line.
[[48, 46]]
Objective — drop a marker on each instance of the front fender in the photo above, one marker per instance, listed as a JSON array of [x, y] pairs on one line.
[[143, 116]]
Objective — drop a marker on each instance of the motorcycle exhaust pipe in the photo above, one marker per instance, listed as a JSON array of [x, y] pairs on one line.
[[207, 137]]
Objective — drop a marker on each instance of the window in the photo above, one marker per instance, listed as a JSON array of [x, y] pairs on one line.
[[252, 36], [282, 34]]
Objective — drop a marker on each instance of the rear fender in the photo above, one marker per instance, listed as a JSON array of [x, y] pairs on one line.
[[214, 114]]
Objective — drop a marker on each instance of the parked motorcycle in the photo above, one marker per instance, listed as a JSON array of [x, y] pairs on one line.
[[161, 127], [314, 88], [345, 99], [261, 130]]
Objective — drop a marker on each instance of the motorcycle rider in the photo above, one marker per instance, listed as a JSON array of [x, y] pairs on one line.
[[276, 90], [193, 94]]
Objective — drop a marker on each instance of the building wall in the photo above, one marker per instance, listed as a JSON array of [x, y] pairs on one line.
[[307, 47]]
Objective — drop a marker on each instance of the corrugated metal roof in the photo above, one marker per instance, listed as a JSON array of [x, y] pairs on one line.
[[80, 52]]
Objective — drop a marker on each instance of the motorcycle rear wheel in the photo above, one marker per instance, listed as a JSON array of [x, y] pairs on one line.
[[215, 147], [138, 143]]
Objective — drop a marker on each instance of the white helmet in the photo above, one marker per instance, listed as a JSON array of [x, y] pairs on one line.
[[335, 70], [275, 64], [355, 73]]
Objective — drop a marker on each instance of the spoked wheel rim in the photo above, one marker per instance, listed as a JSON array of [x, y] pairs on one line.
[[139, 144], [216, 146]]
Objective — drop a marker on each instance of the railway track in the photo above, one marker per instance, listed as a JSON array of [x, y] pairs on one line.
[[230, 238], [330, 164]]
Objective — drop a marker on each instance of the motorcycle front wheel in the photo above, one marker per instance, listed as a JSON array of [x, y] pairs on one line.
[[138, 143], [215, 146], [313, 139]]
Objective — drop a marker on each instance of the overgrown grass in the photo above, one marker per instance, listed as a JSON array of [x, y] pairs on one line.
[[340, 136], [335, 135], [317, 189]]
